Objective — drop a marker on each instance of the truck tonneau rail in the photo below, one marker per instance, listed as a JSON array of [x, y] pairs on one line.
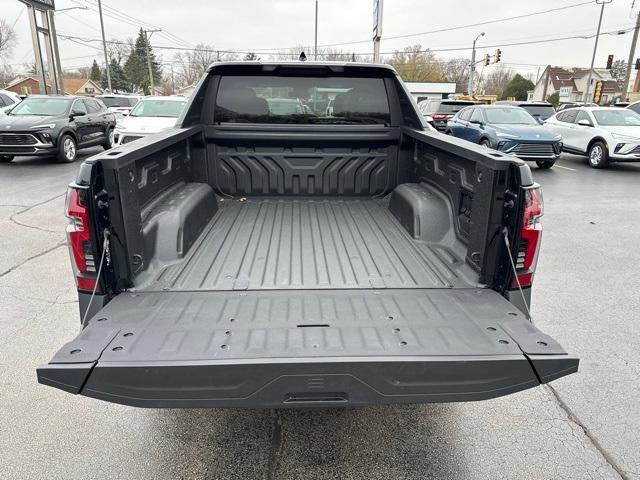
[[304, 348]]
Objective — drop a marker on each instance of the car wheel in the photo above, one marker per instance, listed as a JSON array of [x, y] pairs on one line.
[[6, 158], [110, 139], [598, 155], [67, 149], [545, 164], [485, 143]]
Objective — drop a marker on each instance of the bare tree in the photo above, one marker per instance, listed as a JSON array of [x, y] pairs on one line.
[[618, 72], [456, 70], [192, 64], [417, 65], [250, 56], [7, 74], [7, 38], [494, 82], [119, 50]]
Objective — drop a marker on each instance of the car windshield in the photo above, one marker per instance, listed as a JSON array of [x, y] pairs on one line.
[[302, 100], [116, 101], [617, 118], [542, 111], [158, 108], [512, 116], [47, 107]]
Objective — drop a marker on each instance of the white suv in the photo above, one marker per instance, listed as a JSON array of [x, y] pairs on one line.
[[8, 100], [603, 134]]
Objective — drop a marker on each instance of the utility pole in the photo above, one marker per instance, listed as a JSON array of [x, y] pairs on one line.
[[632, 52], [377, 29], [148, 38], [315, 45], [173, 81], [472, 70], [104, 47], [595, 49]]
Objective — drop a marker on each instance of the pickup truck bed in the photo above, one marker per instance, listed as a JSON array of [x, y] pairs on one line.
[[310, 243], [253, 259]]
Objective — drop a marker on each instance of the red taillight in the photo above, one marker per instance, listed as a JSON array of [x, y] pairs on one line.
[[438, 116], [79, 239], [530, 235]]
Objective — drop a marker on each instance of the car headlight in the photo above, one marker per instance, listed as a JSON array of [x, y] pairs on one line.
[[47, 125], [506, 135], [625, 138]]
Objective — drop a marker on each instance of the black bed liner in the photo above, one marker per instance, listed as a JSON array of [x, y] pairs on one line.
[[309, 243], [306, 347]]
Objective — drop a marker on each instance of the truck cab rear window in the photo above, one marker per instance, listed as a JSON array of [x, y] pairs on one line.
[[302, 100]]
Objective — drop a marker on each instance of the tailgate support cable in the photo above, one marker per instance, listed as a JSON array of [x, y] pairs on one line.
[[105, 247], [505, 232]]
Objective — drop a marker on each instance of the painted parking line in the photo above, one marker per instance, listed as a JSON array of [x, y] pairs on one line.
[[565, 168]]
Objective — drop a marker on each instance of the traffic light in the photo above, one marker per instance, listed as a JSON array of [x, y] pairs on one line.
[[498, 55], [487, 59], [597, 92], [609, 62], [637, 63]]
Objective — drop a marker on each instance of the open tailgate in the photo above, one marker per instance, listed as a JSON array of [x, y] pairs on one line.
[[304, 348]]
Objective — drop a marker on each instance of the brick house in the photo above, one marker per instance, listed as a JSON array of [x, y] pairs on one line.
[[72, 86]]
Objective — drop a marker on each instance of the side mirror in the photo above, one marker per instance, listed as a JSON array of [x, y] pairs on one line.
[[585, 123], [76, 113], [477, 122]]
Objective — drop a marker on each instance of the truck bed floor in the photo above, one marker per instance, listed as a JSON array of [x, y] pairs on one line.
[[307, 243]]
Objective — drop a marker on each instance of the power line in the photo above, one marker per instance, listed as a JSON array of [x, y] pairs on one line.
[[125, 18], [293, 54], [459, 27]]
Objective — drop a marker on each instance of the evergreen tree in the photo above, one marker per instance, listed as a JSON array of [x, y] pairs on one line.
[[136, 67], [119, 82], [518, 88], [95, 74]]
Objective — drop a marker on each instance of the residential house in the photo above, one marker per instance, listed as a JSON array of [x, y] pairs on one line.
[[571, 84], [72, 86]]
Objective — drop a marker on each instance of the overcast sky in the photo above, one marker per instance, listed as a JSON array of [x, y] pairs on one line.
[[273, 24]]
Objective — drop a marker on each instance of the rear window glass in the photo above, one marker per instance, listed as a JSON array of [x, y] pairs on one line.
[[447, 107], [302, 100], [542, 111], [117, 101]]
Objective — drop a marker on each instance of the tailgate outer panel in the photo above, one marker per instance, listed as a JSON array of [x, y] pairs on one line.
[[306, 347]]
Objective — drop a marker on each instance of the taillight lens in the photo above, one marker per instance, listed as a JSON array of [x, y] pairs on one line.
[[438, 116], [530, 236], [79, 239]]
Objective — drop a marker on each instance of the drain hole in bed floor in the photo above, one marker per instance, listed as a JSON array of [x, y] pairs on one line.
[[314, 325]]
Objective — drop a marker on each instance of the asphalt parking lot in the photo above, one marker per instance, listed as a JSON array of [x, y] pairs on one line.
[[585, 426]]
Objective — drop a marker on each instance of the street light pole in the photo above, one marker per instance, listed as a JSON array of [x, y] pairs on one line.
[[104, 47], [472, 69], [595, 49], [315, 45], [632, 51]]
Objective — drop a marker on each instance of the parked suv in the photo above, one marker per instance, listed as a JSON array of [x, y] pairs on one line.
[[437, 112], [508, 129], [119, 104], [51, 125], [8, 100], [604, 134]]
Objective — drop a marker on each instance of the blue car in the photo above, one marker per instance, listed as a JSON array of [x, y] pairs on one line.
[[508, 129]]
